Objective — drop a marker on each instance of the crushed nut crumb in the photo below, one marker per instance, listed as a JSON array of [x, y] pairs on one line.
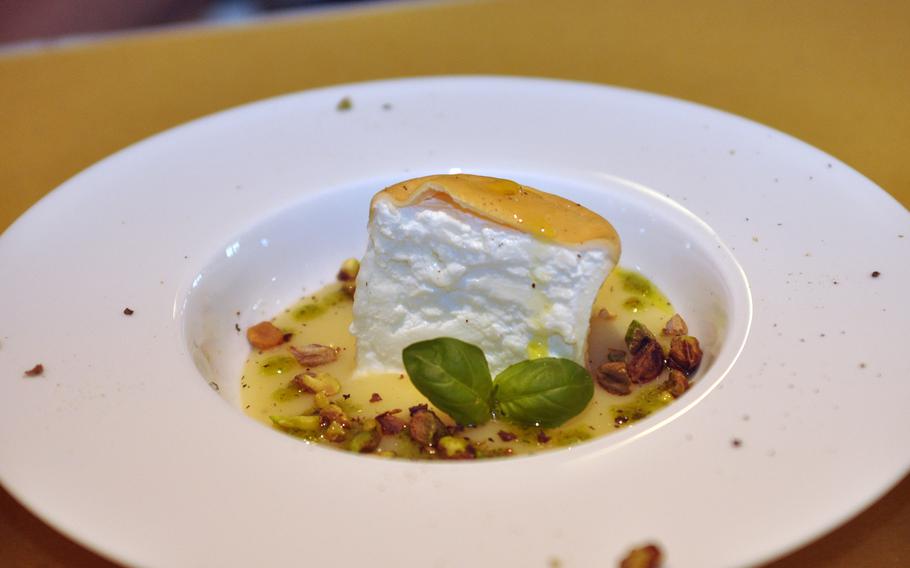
[[648, 556], [506, 436], [35, 371]]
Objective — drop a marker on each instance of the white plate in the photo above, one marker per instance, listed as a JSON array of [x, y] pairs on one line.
[[124, 447]]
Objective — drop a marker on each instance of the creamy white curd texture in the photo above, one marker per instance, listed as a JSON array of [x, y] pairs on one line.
[[433, 270]]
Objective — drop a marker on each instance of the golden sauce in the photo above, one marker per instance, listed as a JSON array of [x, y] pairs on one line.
[[544, 215], [324, 318]]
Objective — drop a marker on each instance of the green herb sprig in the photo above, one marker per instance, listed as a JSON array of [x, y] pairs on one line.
[[455, 377]]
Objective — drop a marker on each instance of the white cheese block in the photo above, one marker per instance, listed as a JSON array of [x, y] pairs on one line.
[[433, 269]]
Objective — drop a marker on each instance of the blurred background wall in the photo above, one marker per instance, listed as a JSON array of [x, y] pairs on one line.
[[31, 20]]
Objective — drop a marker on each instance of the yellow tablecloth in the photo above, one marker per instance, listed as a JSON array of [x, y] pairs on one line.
[[834, 73]]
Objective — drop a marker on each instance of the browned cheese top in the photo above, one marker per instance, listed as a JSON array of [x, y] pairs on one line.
[[545, 216]]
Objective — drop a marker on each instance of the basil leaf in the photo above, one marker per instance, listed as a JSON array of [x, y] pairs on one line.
[[542, 392], [453, 375]]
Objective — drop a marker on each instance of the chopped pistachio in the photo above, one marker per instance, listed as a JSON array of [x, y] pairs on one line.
[[305, 423], [365, 442], [636, 334], [349, 269], [334, 413], [314, 354], [389, 423], [321, 400], [318, 382], [426, 428], [676, 383], [335, 432], [676, 326], [264, 335], [451, 447], [614, 377], [685, 353], [646, 364]]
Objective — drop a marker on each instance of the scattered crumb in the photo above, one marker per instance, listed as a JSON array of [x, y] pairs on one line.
[[386, 106], [375, 397], [876, 274], [35, 371], [128, 311], [237, 327], [344, 104], [736, 443], [862, 365], [214, 386]]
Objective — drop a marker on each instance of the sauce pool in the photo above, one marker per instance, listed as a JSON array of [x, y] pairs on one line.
[[325, 317]]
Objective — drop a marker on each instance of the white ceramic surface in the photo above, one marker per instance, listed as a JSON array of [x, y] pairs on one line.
[[123, 446]]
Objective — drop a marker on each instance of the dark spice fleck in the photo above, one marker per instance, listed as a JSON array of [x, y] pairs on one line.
[[876, 274], [542, 437], [375, 397], [237, 327], [128, 312], [345, 396], [35, 371], [736, 442]]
